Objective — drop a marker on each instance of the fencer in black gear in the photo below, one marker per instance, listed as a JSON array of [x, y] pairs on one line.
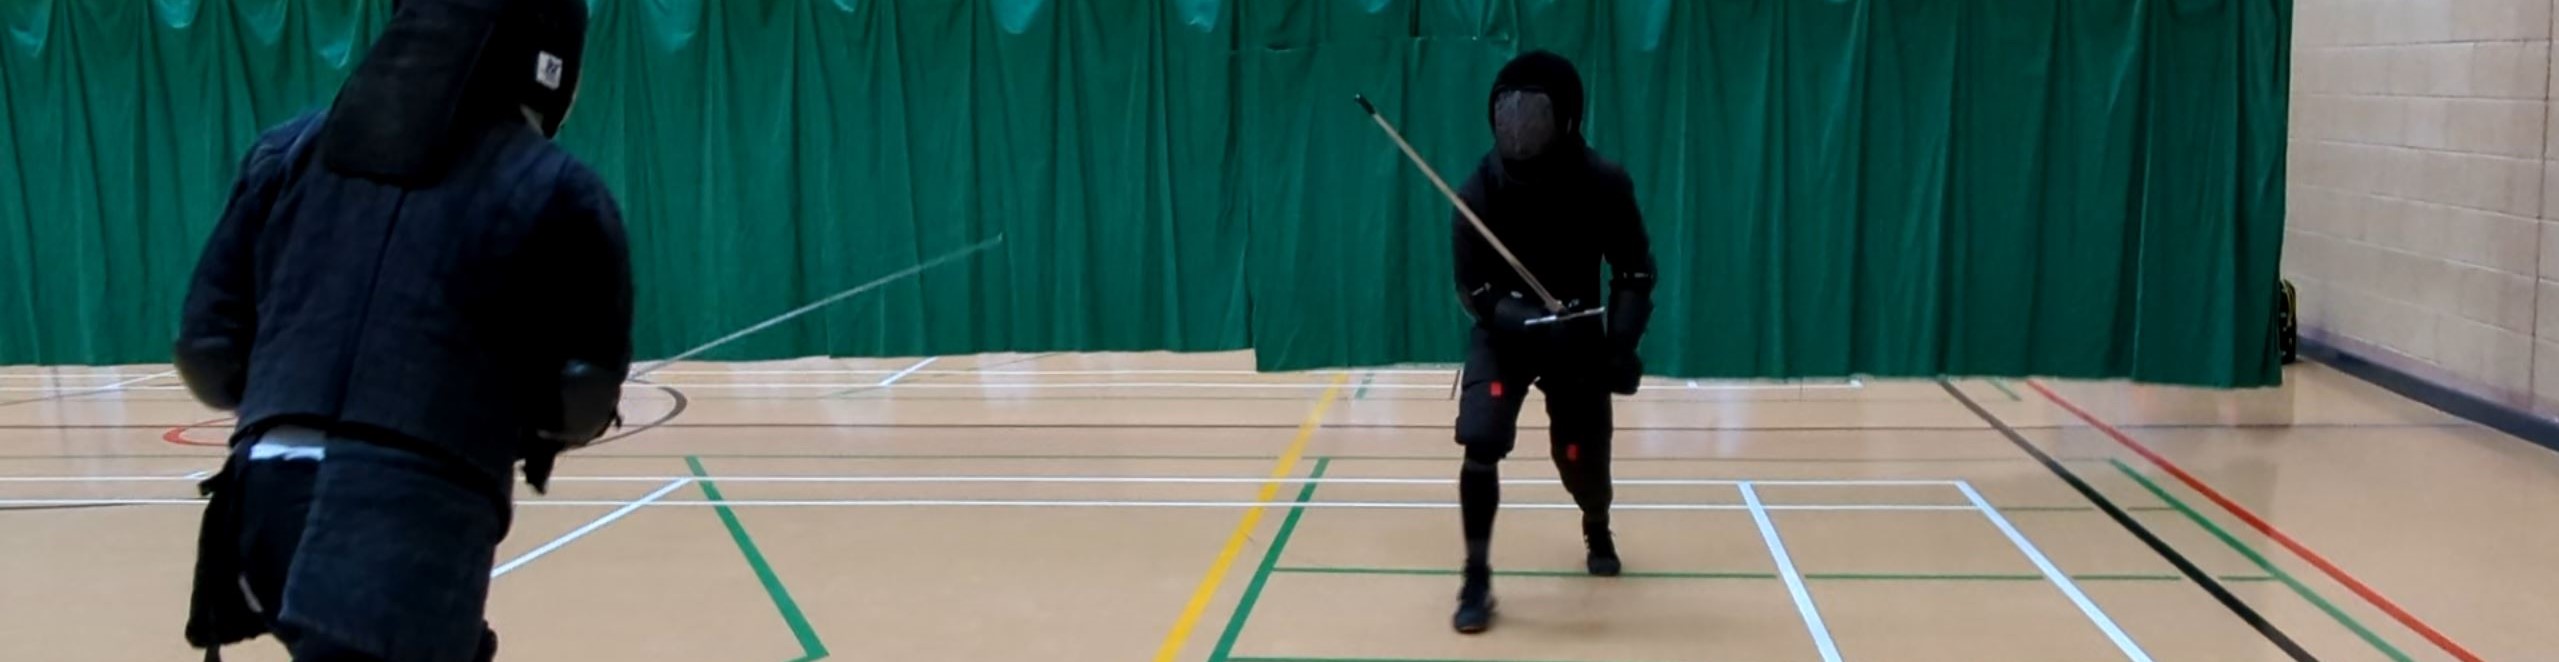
[[407, 295], [1563, 211]]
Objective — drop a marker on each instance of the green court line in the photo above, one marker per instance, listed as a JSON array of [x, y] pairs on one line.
[[2002, 385], [811, 649], [1262, 575], [1362, 393], [1815, 576], [2253, 557]]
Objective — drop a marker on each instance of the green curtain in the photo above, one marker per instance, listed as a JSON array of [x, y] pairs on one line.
[[2084, 188]]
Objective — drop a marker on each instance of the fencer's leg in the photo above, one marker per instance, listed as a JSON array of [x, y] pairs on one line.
[[1580, 416], [275, 502], [1479, 495], [1487, 426], [390, 521]]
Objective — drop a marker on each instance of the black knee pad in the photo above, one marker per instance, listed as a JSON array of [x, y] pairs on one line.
[[1488, 440], [1474, 464]]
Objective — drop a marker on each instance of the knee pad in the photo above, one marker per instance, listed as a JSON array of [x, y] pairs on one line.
[[1477, 461], [1492, 439]]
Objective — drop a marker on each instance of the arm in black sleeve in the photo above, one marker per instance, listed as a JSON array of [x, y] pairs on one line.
[[1474, 257], [220, 318], [595, 296], [1487, 285], [1629, 251]]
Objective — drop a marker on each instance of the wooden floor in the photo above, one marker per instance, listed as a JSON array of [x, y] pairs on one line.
[[1180, 507]]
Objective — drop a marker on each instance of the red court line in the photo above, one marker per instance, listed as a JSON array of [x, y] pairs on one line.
[[2244, 515], [178, 435]]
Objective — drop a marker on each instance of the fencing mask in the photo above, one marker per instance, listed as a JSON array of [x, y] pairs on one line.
[[1536, 107], [1523, 124], [445, 68]]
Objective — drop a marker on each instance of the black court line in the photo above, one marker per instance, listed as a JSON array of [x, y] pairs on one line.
[[2196, 574], [681, 403]]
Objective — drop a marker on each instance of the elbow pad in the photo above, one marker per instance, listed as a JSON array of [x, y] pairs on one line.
[[215, 369]]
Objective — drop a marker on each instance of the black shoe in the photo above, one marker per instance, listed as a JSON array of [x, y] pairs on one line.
[[1603, 552], [1475, 602]]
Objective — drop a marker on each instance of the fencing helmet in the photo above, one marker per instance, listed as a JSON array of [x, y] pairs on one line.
[[445, 68], [1536, 106]]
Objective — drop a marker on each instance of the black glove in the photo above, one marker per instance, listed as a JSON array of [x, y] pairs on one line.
[[542, 454], [1625, 373], [590, 404], [215, 369], [1513, 314]]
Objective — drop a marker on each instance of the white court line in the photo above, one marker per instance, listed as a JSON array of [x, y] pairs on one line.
[[1031, 373], [572, 536], [1794, 580], [77, 389], [919, 365], [1028, 503], [912, 371], [137, 380], [1072, 479], [1033, 385], [1166, 385], [122, 385], [97, 375], [2068, 588]]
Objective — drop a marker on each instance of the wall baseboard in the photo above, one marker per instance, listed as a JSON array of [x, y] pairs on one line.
[[2433, 392]]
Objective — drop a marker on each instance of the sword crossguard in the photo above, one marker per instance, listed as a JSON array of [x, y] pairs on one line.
[[1566, 316]]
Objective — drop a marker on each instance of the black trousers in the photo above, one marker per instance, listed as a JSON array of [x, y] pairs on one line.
[[277, 497], [1569, 365]]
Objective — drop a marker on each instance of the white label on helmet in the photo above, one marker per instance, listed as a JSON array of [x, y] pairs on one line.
[[547, 69]]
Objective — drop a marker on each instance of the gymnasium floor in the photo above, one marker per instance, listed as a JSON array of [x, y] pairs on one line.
[[1180, 507]]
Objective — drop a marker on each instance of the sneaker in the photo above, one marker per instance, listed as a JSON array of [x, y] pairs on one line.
[[1475, 602], [1603, 551]]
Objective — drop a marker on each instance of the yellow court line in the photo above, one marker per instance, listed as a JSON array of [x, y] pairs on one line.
[[1190, 619]]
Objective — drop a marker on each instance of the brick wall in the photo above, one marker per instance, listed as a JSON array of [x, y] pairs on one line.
[[2418, 177]]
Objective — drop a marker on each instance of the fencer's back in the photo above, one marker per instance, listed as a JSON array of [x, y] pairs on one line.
[[426, 315]]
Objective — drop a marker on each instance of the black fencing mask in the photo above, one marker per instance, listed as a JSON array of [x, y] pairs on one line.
[[444, 69], [1523, 124], [1536, 113]]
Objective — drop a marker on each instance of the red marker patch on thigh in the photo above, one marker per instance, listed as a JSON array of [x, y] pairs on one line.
[[1497, 389], [1572, 452]]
